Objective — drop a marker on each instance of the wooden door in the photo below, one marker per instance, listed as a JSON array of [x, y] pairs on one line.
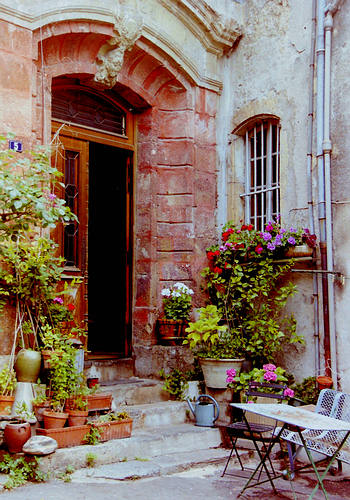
[[97, 250]]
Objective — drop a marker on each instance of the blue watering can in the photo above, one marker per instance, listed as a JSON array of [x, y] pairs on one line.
[[205, 413]]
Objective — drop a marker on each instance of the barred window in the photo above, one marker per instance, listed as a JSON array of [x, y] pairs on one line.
[[262, 175]]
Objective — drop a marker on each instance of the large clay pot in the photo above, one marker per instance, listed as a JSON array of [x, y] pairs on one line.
[[214, 371], [171, 331], [16, 434], [27, 365], [54, 419]]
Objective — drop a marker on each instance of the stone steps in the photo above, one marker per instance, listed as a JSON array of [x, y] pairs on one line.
[[143, 445], [154, 415]]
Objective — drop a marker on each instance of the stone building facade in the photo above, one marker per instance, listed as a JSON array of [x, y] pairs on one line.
[[189, 79]]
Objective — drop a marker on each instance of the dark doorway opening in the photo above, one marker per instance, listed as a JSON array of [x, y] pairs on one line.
[[109, 250]]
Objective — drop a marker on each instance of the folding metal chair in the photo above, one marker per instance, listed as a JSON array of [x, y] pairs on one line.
[[255, 432], [330, 403]]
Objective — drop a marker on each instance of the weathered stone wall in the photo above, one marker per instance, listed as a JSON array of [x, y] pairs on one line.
[[270, 75], [340, 176]]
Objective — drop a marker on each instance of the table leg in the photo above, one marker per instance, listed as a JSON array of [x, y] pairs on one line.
[[320, 478]]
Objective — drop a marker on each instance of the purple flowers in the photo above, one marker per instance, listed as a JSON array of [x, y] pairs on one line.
[[291, 240], [58, 300], [266, 236], [269, 367]]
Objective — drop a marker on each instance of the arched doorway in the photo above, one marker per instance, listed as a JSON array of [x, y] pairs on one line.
[[96, 146]]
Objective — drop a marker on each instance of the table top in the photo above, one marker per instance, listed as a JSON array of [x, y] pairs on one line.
[[295, 416]]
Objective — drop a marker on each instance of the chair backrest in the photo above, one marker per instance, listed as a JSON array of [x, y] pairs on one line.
[[266, 390], [328, 403]]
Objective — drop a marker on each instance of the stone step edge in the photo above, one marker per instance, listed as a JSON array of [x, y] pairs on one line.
[[158, 466], [141, 444]]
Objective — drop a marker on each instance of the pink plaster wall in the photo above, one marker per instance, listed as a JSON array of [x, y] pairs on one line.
[[175, 171]]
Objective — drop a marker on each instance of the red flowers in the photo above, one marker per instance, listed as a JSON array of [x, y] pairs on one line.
[[71, 307], [227, 233], [259, 249], [217, 270], [211, 255]]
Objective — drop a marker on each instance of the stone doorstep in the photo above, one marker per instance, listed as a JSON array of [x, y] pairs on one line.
[[157, 414], [133, 391], [143, 444]]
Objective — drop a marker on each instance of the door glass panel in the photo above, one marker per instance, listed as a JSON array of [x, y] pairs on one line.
[[71, 231]]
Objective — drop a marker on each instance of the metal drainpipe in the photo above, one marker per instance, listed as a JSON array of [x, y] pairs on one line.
[[320, 62], [310, 191], [327, 150]]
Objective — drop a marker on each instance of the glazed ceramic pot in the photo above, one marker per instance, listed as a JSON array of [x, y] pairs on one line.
[[27, 365], [16, 434]]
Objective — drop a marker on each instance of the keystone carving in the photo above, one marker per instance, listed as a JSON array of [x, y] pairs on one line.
[[127, 29]]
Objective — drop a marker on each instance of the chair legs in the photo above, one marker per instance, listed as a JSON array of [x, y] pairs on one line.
[[234, 449]]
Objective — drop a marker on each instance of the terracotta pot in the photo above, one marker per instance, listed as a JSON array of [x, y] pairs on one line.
[[171, 329], [27, 365], [16, 434], [77, 417], [66, 436], [115, 430], [214, 371], [6, 403], [54, 419], [99, 402], [70, 402], [39, 410], [92, 381], [46, 356], [299, 251], [324, 382]]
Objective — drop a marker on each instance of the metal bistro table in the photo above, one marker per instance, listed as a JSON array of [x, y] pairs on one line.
[[301, 419]]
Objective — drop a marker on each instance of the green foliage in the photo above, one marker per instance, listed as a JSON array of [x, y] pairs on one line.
[[93, 436], [27, 186], [177, 301], [63, 376], [175, 383], [209, 339], [90, 459], [8, 381], [22, 410], [241, 380], [113, 417], [20, 470], [250, 291], [307, 390]]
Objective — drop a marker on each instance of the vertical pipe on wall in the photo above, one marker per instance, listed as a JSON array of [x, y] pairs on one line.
[[310, 190], [327, 149], [320, 61]]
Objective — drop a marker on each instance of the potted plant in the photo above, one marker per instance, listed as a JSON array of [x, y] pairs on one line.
[[250, 287], [62, 377], [78, 412], [30, 268], [114, 425], [7, 387], [40, 403], [215, 346], [177, 304]]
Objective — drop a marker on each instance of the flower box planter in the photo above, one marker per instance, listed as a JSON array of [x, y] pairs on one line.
[[97, 402], [115, 430], [6, 403], [67, 436]]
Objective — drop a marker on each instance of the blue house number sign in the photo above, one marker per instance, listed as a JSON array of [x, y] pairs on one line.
[[16, 146]]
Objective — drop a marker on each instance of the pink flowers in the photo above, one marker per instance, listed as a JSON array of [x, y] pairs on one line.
[[231, 373], [58, 300], [288, 393], [270, 376], [269, 367]]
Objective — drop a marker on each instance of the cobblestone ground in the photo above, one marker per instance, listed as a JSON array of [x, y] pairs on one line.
[[198, 483]]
